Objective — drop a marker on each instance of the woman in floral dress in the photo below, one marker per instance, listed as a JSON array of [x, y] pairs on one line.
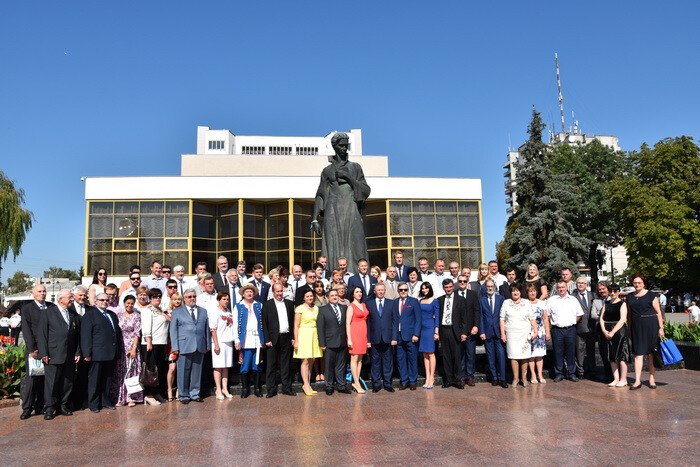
[[539, 343], [129, 362]]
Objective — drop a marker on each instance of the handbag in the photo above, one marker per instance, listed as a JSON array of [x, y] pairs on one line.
[[36, 367], [148, 376], [669, 351], [133, 385]]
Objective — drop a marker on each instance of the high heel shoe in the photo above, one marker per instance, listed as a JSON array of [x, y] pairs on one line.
[[359, 391], [308, 393]]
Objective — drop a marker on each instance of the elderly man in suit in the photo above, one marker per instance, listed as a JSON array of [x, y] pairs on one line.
[[586, 332], [332, 337], [391, 283], [380, 324], [406, 332], [471, 325], [189, 339], [220, 277], [32, 386], [453, 318], [491, 333], [59, 349], [82, 368], [363, 279], [100, 342], [278, 328]]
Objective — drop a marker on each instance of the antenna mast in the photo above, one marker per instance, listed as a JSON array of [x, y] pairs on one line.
[[561, 99]]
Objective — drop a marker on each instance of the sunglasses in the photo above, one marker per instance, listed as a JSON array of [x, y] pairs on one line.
[[165, 271], [156, 296], [134, 278], [101, 273], [172, 286], [462, 282], [403, 290], [101, 300]]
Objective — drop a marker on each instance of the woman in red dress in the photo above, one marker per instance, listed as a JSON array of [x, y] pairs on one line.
[[356, 327]]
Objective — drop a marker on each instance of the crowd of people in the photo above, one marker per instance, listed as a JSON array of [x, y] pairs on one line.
[[164, 337]]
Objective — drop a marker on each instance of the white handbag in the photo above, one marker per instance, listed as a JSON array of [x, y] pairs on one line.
[[36, 367], [132, 383]]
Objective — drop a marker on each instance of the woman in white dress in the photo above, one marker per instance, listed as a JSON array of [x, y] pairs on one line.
[[221, 326], [539, 343], [517, 326]]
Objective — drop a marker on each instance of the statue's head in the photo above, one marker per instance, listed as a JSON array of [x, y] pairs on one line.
[[340, 144]]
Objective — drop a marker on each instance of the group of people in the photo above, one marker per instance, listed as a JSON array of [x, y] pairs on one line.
[[155, 339]]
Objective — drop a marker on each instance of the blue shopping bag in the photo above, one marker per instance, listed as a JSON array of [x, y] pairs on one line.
[[670, 352]]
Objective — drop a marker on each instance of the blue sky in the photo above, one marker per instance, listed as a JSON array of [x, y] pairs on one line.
[[118, 88]]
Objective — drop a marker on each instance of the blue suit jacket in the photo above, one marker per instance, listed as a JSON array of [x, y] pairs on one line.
[[404, 274], [409, 319], [381, 328], [98, 340], [262, 293], [491, 322], [356, 280], [186, 336]]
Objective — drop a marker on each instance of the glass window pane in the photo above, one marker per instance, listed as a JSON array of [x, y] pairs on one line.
[[125, 245], [376, 243], [424, 224], [202, 244], [151, 244], [430, 254], [303, 208], [277, 226], [126, 207], [445, 206], [203, 226], [207, 209], [448, 254], [176, 226], [406, 242], [446, 224], [278, 244], [375, 226], [100, 227], [177, 207], [147, 257], [277, 208], [377, 257], [471, 258], [253, 226], [304, 259], [276, 258], [100, 207], [99, 260], [253, 244], [151, 207], [152, 226], [302, 226], [448, 241], [209, 258], [423, 206], [469, 242], [228, 226], [375, 207], [253, 208], [303, 244], [424, 242], [125, 226], [123, 261], [100, 245], [175, 244], [399, 206], [468, 206], [469, 225], [408, 256], [174, 258], [228, 208], [400, 224]]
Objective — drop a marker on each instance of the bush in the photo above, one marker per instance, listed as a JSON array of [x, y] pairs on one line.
[[12, 368], [681, 332]]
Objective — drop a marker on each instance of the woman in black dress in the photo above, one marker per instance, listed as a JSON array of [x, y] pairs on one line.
[[646, 326], [613, 326]]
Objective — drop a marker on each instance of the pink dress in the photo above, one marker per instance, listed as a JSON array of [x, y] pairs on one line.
[[358, 329]]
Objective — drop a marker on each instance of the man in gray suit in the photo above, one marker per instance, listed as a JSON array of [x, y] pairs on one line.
[[189, 338], [585, 332], [332, 338]]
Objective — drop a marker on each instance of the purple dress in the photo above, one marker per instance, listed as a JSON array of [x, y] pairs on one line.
[[131, 328]]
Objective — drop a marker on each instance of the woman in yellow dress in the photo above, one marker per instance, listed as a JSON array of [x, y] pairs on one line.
[[306, 345]]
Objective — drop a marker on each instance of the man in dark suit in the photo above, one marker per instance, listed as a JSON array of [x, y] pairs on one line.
[[243, 278], [585, 332], [504, 289], [32, 386], [363, 279], [220, 278], [190, 340], [262, 286], [407, 323], [380, 324], [491, 334], [401, 267], [80, 382], [299, 294], [100, 343], [233, 288], [59, 349], [332, 337], [278, 329], [453, 317], [323, 261], [471, 325]]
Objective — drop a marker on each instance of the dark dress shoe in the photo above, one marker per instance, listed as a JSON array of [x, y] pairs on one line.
[[504, 385], [558, 378], [388, 388], [344, 391], [376, 388], [470, 382], [199, 399], [459, 385], [289, 392], [39, 411], [95, 410], [494, 382], [109, 407], [403, 386], [446, 385], [257, 392], [25, 414], [50, 415], [412, 387], [66, 412], [329, 391], [573, 379], [270, 394], [185, 401]]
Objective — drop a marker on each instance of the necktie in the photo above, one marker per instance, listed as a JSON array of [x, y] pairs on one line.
[[463, 294], [381, 307], [583, 299], [43, 306], [296, 285], [65, 317], [364, 280], [401, 307], [225, 281], [400, 271], [448, 313], [104, 313], [337, 313], [179, 283], [192, 314]]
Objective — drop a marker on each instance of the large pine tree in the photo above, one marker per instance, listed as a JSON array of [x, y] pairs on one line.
[[542, 235]]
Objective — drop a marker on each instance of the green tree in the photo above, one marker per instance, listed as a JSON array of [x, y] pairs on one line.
[[18, 283], [659, 211], [589, 169], [543, 236], [15, 221], [55, 271]]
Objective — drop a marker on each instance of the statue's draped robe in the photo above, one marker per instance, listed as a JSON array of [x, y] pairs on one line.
[[343, 234]]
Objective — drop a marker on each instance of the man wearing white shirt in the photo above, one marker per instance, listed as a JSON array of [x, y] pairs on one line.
[[363, 279], [155, 280], [343, 266], [243, 278], [437, 277], [297, 279], [497, 277], [454, 271], [182, 283], [323, 261], [392, 283], [207, 299], [423, 273], [564, 313], [171, 288], [79, 293], [233, 288], [135, 280], [278, 329]]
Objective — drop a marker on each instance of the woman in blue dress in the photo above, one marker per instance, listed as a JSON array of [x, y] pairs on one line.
[[430, 326]]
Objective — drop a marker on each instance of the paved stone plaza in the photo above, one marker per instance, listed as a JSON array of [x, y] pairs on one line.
[[554, 423]]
